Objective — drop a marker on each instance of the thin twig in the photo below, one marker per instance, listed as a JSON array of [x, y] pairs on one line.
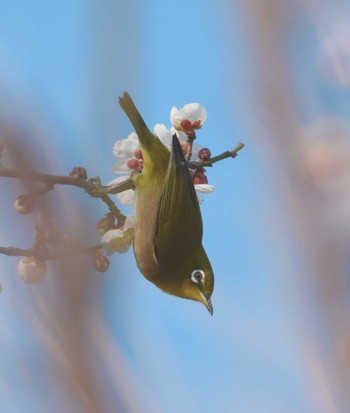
[[190, 140], [91, 187], [51, 255], [209, 162]]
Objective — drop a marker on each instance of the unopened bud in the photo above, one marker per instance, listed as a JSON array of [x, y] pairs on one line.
[[105, 224], [25, 204], [138, 154], [133, 164], [199, 177], [204, 154], [186, 124], [32, 270], [189, 127], [79, 173], [100, 262]]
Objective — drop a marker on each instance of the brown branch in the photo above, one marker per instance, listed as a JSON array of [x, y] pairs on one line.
[[190, 140], [49, 255], [209, 162], [91, 187]]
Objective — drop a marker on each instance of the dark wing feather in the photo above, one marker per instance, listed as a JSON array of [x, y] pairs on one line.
[[179, 225]]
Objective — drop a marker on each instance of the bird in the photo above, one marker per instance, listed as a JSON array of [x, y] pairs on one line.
[[169, 230]]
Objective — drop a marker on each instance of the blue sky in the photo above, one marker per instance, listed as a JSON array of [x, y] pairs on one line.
[[66, 63]]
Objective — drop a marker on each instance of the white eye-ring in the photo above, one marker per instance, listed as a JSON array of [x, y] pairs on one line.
[[197, 276]]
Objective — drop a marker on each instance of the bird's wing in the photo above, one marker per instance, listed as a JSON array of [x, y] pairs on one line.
[[179, 223], [155, 154]]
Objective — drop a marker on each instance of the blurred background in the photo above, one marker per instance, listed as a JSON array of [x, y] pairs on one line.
[[274, 75]]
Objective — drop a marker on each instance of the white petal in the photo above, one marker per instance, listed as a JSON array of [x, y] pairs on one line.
[[125, 148], [163, 134], [121, 167], [204, 188], [194, 112], [129, 222], [181, 135], [127, 197], [111, 234], [118, 180], [175, 116]]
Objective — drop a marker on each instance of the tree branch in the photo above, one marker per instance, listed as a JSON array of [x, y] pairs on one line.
[[91, 187], [49, 255], [209, 162]]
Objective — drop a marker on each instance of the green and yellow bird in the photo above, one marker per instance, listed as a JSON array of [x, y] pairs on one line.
[[168, 234]]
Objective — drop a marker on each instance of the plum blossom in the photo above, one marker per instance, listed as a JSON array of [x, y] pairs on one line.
[[120, 239], [189, 118], [129, 154], [124, 150]]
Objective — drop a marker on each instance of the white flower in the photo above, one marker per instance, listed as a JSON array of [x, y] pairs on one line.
[[128, 151], [120, 239], [32, 270], [126, 197], [124, 149], [189, 118], [165, 135], [203, 189]]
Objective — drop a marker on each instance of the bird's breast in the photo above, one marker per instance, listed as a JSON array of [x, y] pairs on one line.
[[147, 207]]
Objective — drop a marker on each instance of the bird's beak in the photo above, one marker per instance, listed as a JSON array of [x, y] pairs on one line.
[[207, 302]]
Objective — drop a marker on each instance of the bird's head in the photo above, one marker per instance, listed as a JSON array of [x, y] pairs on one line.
[[192, 279]]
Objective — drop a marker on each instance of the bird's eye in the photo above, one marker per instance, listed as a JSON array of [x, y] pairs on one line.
[[197, 276]]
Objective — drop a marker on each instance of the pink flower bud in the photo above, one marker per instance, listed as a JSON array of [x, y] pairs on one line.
[[79, 173], [199, 177], [100, 262], [186, 125], [138, 154], [133, 164], [204, 154], [25, 204]]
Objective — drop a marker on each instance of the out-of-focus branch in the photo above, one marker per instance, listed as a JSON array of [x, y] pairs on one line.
[[49, 255], [91, 187], [209, 162]]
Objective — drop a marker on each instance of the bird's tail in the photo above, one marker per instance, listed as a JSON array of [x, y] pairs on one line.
[[146, 137]]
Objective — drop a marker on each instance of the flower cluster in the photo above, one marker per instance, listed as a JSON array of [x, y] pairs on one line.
[[115, 229], [188, 119], [119, 239], [185, 122]]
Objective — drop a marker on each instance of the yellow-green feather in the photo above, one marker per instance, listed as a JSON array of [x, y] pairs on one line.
[[168, 233], [155, 154]]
